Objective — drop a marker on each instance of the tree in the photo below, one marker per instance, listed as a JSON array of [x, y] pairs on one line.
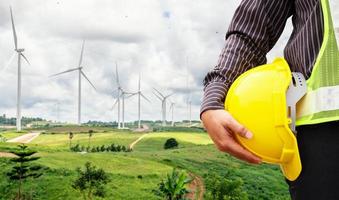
[[90, 181], [223, 188], [90, 134], [70, 136], [174, 187], [171, 143], [23, 168]]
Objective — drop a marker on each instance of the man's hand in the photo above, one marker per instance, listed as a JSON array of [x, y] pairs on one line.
[[221, 127]]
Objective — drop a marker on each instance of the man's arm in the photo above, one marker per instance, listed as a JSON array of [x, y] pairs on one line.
[[254, 30]]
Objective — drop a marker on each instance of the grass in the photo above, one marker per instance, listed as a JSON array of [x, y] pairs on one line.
[[61, 141], [9, 134], [149, 161]]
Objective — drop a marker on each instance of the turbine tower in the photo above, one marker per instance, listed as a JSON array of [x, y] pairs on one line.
[[140, 94], [120, 91], [19, 51], [163, 99], [80, 74], [172, 109]]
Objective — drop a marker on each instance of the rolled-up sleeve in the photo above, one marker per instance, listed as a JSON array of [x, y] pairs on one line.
[[255, 28]]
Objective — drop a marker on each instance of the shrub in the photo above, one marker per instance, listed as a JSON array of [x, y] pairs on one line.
[[221, 187], [174, 186], [171, 143], [91, 181]]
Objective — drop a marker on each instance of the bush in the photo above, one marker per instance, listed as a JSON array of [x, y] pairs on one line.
[[221, 187], [102, 148], [174, 187], [90, 181], [171, 143]]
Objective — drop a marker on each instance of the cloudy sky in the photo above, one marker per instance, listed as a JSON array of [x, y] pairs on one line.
[[171, 43]]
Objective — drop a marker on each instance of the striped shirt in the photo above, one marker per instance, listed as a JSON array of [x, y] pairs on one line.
[[255, 28]]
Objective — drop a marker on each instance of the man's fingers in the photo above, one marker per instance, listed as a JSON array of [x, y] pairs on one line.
[[237, 128], [226, 143], [240, 152]]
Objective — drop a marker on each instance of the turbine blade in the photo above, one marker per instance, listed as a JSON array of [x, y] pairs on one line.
[[117, 74], [131, 95], [139, 83], [88, 79], [70, 70], [157, 96], [169, 95], [13, 28], [159, 92], [145, 97], [25, 58], [116, 102], [9, 62], [82, 53]]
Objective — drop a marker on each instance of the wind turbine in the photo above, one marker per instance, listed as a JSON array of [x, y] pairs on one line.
[[172, 109], [120, 91], [163, 99], [140, 94], [80, 74], [20, 54], [121, 94]]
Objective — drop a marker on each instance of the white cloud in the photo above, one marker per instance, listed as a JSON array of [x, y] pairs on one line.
[[166, 41]]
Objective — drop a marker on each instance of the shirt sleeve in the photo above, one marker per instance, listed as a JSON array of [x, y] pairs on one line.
[[255, 28]]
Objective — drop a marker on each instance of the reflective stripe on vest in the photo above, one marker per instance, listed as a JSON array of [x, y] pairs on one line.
[[321, 103]]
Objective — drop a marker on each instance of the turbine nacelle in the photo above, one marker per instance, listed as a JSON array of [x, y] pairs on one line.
[[19, 50]]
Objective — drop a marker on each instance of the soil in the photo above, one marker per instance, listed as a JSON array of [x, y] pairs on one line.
[[26, 138], [196, 187]]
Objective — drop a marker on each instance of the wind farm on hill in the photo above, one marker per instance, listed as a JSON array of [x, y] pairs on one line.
[[150, 146], [121, 93]]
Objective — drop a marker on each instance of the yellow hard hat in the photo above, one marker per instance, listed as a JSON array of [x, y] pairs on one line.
[[263, 99]]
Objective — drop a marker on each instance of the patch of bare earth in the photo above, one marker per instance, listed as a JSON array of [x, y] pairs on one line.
[[26, 138], [196, 187], [6, 155]]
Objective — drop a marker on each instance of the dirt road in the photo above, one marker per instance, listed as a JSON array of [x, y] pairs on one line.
[[136, 141], [26, 138], [196, 187]]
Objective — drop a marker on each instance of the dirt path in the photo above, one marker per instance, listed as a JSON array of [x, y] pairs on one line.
[[196, 187], [6, 155], [26, 138], [136, 141]]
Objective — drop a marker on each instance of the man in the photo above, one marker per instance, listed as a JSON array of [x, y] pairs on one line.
[[254, 30]]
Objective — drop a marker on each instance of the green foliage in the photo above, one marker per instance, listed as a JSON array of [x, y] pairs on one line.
[[12, 121], [23, 168], [171, 143], [91, 181], [223, 188], [174, 186], [102, 148], [3, 138]]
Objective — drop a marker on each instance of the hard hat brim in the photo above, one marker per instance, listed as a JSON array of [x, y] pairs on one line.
[[292, 169]]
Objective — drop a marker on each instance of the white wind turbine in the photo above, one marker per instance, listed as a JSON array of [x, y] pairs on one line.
[[163, 99], [80, 74], [140, 94], [121, 94], [120, 91], [19, 51]]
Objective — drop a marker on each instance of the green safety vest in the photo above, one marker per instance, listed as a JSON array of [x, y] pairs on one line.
[[321, 102]]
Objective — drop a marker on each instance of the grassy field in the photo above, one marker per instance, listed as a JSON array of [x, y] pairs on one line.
[[135, 174]]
